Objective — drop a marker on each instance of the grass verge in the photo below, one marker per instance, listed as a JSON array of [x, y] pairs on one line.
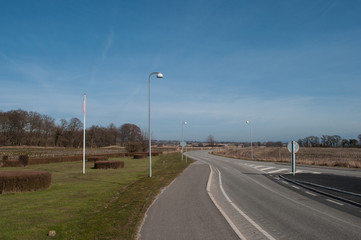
[[102, 204]]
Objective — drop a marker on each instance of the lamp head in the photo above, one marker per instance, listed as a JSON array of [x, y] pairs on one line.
[[247, 122], [159, 75]]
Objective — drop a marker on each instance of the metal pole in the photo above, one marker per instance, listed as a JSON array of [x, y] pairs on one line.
[[182, 138], [84, 101], [150, 136], [293, 157], [159, 75], [250, 133]]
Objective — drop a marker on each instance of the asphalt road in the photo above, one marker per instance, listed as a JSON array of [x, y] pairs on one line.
[[248, 199]]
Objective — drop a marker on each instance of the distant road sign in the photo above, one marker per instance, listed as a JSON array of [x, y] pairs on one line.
[[183, 144], [289, 146]]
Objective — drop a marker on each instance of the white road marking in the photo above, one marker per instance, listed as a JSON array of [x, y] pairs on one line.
[[285, 182], [295, 186], [233, 226], [313, 194], [278, 170], [341, 204], [259, 166], [259, 228], [267, 168]]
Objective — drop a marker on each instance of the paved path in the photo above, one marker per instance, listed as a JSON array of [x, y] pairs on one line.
[[185, 211]]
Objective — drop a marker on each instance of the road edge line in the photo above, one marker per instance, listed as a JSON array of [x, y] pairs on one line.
[[259, 228], [233, 226]]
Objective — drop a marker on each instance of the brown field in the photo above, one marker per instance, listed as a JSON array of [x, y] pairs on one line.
[[335, 157]]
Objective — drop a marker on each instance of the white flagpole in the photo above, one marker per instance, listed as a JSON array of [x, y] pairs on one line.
[[84, 100]]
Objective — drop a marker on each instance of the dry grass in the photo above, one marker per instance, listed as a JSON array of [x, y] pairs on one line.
[[335, 157]]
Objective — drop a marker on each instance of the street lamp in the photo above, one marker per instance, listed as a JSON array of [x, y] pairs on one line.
[[159, 75], [183, 143], [250, 135]]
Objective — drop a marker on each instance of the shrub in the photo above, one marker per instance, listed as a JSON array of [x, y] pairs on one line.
[[12, 163], [55, 159], [139, 156], [24, 160], [24, 181], [108, 164], [5, 158], [156, 153]]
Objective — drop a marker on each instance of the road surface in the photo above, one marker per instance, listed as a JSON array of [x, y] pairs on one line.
[[255, 203]]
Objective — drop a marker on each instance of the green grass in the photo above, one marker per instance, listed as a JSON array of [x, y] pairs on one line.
[[102, 204]]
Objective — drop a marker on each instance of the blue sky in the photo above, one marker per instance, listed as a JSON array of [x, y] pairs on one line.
[[292, 68]]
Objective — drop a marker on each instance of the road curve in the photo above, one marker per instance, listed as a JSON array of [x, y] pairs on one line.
[[262, 207]]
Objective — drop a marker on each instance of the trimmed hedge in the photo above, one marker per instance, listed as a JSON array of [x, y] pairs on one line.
[[139, 156], [100, 158], [57, 159], [12, 163], [72, 158], [156, 153], [24, 181], [109, 164]]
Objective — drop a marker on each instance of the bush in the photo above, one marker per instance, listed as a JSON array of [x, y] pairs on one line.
[[109, 164], [24, 181], [12, 163], [139, 156], [57, 159], [24, 160], [5, 158], [156, 153]]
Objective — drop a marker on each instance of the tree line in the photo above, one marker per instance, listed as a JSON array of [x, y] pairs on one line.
[[329, 141], [19, 127]]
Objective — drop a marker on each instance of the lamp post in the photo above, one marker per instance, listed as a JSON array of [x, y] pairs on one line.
[[250, 135], [159, 75], [182, 143]]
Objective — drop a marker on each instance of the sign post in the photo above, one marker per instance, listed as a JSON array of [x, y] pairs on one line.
[[293, 147], [183, 144]]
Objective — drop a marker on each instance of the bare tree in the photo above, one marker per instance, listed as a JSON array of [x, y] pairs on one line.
[[353, 142], [131, 137], [210, 140]]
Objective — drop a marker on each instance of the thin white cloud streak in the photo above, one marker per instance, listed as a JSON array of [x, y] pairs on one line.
[[103, 55]]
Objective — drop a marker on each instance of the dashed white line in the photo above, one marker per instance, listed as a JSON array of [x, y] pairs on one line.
[[295, 186], [338, 203], [310, 193], [285, 182]]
